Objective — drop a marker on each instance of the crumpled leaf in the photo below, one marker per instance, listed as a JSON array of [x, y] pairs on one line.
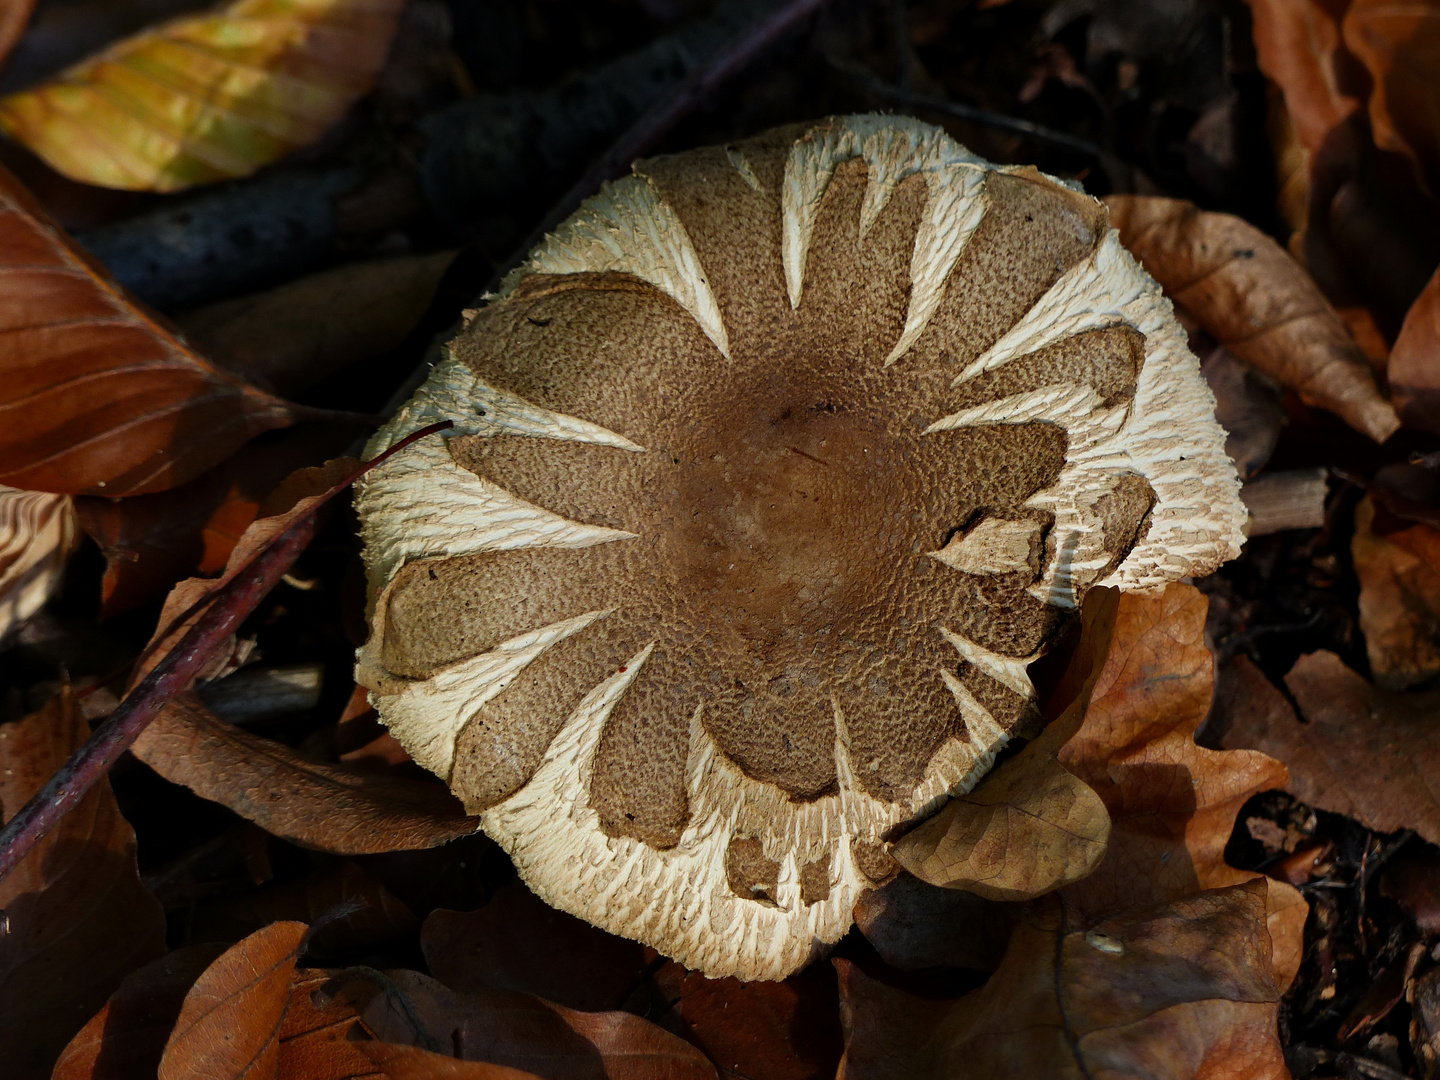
[[229, 1024], [1398, 564], [126, 1038], [1400, 45], [97, 396], [1253, 298], [1414, 369], [1175, 991], [528, 1033], [1366, 753], [77, 918], [37, 534], [205, 97], [1031, 825], [1172, 803], [14, 15]]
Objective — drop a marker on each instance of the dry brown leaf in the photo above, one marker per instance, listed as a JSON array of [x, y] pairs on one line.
[[290, 338], [1400, 45], [1399, 570], [335, 808], [1366, 753], [412, 1063], [229, 1025], [1175, 991], [98, 397], [915, 926], [528, 1033], [14, 15], [1414, 370], [1172, 803], [37, 534], [1298, 43], [205, 97], [77, 919], [125, 1039], [317, 1032], [1257, 301]]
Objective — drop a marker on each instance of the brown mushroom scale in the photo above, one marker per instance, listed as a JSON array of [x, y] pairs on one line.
[[815, 536]]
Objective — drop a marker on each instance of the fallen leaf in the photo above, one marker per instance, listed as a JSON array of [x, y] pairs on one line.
[[1363, 752], [98, 397], [1399, 571], [785, 1030], [126, 1038], [374, 915], [37, 534], [205, 97], [316, 1034], [1257, 301], [229, 1024], [1172, 803], [528, 1033], [334, 808], [1414, 370], [290, 338], [1400, 45], [1176, 991], [519, 942], [14, 15], [77, 919], [412, 1063], [1298, 44], [1248, 406], [914, 926]]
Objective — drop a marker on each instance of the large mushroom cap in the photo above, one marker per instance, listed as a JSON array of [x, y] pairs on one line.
[[773, 469]]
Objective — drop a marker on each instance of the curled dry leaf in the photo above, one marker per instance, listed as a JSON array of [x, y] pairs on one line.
[[1398, 564], [1414, 370], [1175, 991], [1298, 44], [126, 1038], [1257, 301], [1172, 803], [1400, 45], [77, 919], [205, 97], [1366, 753], [229, 1024], [37, 534], [97, 396]]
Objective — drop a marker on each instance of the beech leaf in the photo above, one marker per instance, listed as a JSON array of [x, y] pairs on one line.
[[1414, 369], [77, 919], [1176, 991], [1398, 564], [205, 97], [97, 396], [229, 1024], [37, 534], [1172, 803], [1257, 301]]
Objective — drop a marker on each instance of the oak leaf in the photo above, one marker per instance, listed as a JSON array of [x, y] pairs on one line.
[[37, 534], [1400, 45], [97, 396], [1364, 752], [1257, 301], [76, 918], [1414, 370], [205, 97], [1172, 802], [229, 1024], [1177, 991], [1398, 564]]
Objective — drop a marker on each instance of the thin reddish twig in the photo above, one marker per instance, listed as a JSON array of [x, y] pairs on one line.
[[229, 606]]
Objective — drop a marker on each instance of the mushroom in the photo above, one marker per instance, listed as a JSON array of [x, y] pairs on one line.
[[773, 469]]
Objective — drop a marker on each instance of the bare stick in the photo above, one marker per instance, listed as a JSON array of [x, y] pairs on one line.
[[228, 607]]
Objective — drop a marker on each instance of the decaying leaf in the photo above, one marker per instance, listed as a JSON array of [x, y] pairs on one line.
[[1400, 45], [229, 1024], [1398, 564], [98, 397], [1364, 752], [914, 925], [318, 1032], [13, 16], [1252, 297], [1172, 803], [1414, 370], [1175, 991], [335, 808], [37, 534], [126, 1038], [528, 1033], [291, 337], [205, 97], [77, 919]]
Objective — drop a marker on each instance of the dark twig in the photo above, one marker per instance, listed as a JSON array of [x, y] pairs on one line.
[[228, 607]]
